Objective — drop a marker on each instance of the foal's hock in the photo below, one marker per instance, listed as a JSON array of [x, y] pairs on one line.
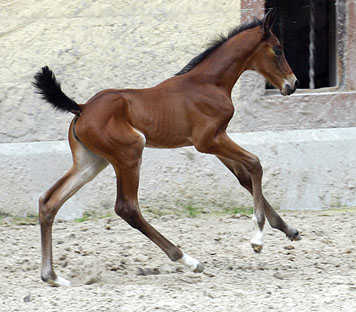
[[191, 108]]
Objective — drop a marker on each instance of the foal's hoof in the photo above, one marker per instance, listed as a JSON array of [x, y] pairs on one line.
[[199, 268], [294, 235], [256, 247], [193, 264], [257, 242], [58, 282]]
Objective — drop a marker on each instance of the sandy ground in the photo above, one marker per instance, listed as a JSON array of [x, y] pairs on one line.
[[114, 268]]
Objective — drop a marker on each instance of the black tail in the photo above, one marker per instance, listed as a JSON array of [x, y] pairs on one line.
[[50, 89]]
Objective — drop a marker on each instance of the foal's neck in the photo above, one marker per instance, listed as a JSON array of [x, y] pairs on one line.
[[225, 65]]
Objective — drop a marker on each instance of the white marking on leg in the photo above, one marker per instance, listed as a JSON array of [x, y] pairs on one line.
[[59, 281], [86, 166], [193, 264], [257, 237]]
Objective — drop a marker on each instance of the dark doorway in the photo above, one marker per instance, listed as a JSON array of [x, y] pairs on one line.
[[306, 29]]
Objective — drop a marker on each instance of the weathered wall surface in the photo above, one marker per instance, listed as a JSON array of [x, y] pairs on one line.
[[259, 109], [92, 45], [303, 170], [95, 45]]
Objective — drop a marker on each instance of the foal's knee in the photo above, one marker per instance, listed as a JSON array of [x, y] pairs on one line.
[[255, 166], [46, 211]]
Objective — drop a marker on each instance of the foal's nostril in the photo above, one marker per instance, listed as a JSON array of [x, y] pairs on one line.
[[289, 89], [296, 84]]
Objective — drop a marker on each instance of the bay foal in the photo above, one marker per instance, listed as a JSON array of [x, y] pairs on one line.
[[191, 108]]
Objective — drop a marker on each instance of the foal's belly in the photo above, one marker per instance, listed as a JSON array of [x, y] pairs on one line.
[[166, 142]]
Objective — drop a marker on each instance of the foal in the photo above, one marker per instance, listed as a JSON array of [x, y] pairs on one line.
[[191, 108]]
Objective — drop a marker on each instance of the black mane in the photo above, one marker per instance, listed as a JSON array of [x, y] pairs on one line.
[[217, 43]]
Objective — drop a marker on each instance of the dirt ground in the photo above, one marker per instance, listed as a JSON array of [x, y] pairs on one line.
[[114, 268]]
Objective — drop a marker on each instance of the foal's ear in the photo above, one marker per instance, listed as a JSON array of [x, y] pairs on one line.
[[267, 23]]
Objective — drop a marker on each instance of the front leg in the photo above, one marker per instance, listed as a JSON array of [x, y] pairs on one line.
[[231, 153], [278, 223], [245, 179]]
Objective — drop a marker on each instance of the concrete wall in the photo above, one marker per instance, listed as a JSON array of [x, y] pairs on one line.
[[103, 44], [303, 170], [92, 45], [259, 109]]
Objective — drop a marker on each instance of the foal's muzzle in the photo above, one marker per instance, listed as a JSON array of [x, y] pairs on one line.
[[290, 86]]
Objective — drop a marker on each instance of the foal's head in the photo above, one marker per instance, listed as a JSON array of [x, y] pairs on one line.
[[269, 59]]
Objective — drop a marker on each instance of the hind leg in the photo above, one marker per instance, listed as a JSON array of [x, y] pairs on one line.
[[124, 153], [128, 209], [86, 165]]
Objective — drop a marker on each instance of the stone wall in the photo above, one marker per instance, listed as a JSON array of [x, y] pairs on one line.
[[93, 45], [303, 170], [306, 109]]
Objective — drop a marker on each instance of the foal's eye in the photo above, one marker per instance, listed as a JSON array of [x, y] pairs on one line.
[[277, 50]]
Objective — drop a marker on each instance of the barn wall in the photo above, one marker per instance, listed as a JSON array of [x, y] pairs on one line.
[[93, 45], [124, 44], [306, 109], [104, 44], [303, 170]]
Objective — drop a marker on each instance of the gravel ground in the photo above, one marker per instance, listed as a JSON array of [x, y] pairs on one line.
[[115, 268]]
